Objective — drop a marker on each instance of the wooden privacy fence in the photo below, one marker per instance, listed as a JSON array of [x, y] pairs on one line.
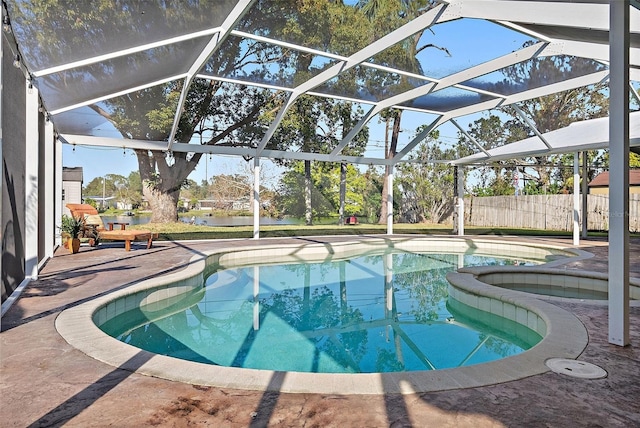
[[551, 212]]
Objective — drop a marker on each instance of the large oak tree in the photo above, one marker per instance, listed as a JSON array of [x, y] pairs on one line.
[[215, 113]]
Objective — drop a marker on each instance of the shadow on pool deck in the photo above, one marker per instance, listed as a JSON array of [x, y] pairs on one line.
[[46, 382]]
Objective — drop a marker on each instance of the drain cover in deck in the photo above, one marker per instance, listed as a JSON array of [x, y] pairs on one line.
[[575, 368]]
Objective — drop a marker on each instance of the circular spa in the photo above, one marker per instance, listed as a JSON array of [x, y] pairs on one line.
[[552, 284], [380, 312]]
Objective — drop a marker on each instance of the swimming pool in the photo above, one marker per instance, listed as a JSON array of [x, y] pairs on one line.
[[381, 312], [563, 336]]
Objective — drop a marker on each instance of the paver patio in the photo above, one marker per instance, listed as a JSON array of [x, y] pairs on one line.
[[46, 382]]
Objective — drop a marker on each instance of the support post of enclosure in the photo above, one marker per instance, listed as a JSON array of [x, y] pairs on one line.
[[585, 197], [256, 198], [49, 191], [619, 172], [390, 201], [460, 200], [576, 198], [2, 268], [58, 197], [31, 180]]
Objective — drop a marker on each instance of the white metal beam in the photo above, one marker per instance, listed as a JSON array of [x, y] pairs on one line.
[[459, 200], [531, 125], [83, 140], [619, 174], [316, 52], [499, 63], [115, 94], [596, 51], [354, 131], [188, 80], [31, 182], [244, 82], [240, 9], [421, 136], [576, 198], [525, 30], [453, 80], [390, 200], [590, 134], [539, 49], [522, 96], [49, 189], [276, 122], [634, 93], [507, 60], [584, 192], [593, 16], [396, 36], [124, 52], [473, 140], [58, 192], [256, 198], [441, 13]]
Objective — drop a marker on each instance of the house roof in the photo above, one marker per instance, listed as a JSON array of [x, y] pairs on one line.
[[579, 136], [73, 173], [602, 180]]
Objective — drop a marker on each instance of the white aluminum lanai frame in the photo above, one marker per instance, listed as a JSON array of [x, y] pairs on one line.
[[559, 28]]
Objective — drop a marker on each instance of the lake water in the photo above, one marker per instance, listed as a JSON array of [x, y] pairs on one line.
[[204, 220]]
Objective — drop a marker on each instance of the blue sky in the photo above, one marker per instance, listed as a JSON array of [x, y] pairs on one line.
[[459, 37]]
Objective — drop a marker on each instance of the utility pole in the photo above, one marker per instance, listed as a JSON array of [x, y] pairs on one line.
[[103, 192]]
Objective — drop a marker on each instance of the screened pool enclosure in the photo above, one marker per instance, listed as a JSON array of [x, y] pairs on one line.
[[174, 81]]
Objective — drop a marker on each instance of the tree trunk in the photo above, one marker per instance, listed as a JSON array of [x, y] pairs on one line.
[[161, 182], [343, 191], [308, 213], [164, 205], [391, 152]]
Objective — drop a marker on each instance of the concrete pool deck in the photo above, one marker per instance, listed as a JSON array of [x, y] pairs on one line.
[[46, 382]]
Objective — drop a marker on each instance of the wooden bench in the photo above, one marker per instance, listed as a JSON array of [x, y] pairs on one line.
[[95, 228], [127, 236]]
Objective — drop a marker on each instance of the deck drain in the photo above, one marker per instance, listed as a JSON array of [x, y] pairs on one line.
[[575, 368]]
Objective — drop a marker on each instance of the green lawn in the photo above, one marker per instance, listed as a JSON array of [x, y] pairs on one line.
[[183, 231]]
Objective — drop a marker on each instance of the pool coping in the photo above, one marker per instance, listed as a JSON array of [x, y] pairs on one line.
[[565, 337]]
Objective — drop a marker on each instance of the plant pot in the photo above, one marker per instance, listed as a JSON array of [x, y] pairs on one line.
[[73, 245]]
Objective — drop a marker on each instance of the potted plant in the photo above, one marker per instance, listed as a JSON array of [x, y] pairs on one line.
[[71, 228]]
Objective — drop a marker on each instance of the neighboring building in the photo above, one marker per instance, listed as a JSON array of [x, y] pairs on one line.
[[240, 204], [124, 205], [600, 184], [71, 187], [103, 203]]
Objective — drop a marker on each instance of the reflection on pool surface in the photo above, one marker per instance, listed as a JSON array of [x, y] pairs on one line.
[[375, 313]]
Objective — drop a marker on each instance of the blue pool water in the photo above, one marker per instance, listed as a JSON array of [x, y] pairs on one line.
[[375, 313]]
